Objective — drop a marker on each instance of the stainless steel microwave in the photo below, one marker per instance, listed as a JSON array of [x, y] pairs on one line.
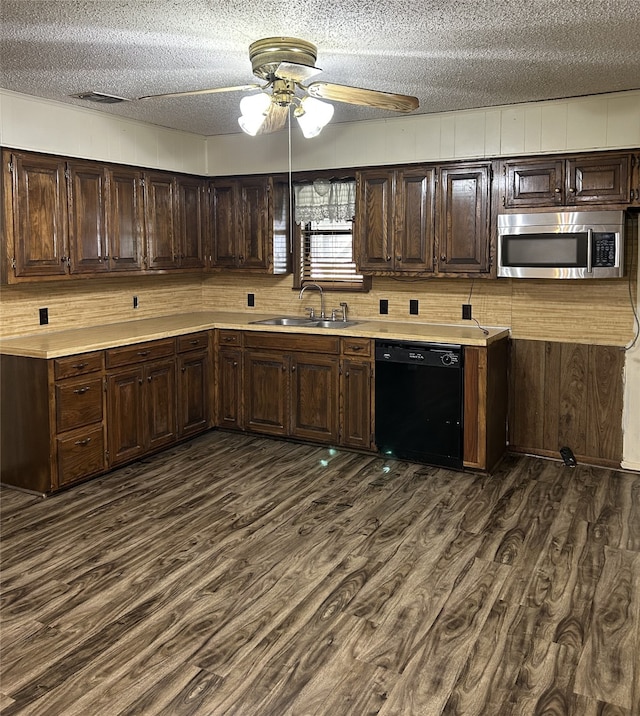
[[561, 244]]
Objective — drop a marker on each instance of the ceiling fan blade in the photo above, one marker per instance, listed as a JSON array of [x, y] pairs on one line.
[[239, 88], [367, 97], [295, 72], [276, 119]]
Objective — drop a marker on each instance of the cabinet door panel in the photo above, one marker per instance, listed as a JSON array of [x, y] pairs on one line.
[[39, 216], [356, 415], [253, 240], [374, 228], [160, 221], [463, 232], [125, 415], [193, 396], [266, 390], [414, 221], [534, 183], [314, 397], [229, 399], [223, 223], [125, 220], [191, 222], [599, 180], [87, 192], [161, 403]]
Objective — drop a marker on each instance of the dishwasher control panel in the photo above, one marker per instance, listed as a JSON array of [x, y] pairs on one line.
[[435, 354]]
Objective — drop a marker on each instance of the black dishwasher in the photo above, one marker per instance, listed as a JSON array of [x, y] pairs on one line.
[[419, 400]]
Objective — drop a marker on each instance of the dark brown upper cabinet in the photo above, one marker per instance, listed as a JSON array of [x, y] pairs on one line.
[[394, 221], [160, 217], [192, 199], [592, 179], [87, 203], [462, 228], [125, 224], [247, 228], [35, 215]]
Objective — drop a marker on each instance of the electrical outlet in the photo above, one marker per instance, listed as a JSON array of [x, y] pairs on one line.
[[44, 316], [136, 303], [251, 299], [466, 311], [413, 306], [384, 306]]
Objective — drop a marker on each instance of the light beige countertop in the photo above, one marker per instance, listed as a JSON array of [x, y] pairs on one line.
[[56, 344]]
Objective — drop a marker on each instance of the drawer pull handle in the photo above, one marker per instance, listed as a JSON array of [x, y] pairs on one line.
[[81, 391], [356, 348], [194, 342], [143, 353], [228, 339], [86, 441], [80, 366]]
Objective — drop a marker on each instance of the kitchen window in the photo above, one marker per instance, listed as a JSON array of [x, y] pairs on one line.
[[324, 212]]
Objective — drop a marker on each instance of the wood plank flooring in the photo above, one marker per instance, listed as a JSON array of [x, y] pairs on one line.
[[248, 576]]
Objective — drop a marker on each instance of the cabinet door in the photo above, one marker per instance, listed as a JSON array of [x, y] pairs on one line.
[[356, 428], [534, 182], [80, 454], [266, 391], [193, 393], [125, 222], [39, 211], [224, 228], [254, 223], [314, 397], [463, 229], [599, 180], [87, 197], [160, 403], [229, 398], [414, 213], [191, 214], [160, 221], [374, 221], [125, 415]]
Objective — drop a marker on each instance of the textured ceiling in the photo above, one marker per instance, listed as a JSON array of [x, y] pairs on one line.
[[450, 54]]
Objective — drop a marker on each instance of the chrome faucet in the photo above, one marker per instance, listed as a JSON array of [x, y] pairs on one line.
[[319, 288]]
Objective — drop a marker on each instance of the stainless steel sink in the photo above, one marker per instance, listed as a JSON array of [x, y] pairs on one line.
[[303, 322]]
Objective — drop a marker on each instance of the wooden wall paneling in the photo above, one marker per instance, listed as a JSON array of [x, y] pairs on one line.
[[551, 395], [474, 401], [571, 404], [605, 390], [527, 396], [497, 402]]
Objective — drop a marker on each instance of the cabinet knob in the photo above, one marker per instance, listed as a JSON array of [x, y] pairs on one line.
[[149, 378], [139, 381], [116, 258], [241, 259], [557, 190], [293, 369], [572, 190], [184, 370], [235, 363], [398, 258], [443, 257], [346, 374], [388, 258]]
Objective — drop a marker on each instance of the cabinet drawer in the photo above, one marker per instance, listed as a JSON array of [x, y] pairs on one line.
[[140, 352], [193, 341], [229, 338], [356, 347], [292, 342], [78, 402], [80, 455], [78, 365]]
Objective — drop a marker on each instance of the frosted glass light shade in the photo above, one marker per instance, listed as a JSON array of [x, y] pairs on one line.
[[254, 112], [313, 116]]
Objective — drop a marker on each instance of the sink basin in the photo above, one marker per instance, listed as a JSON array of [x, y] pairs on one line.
[[303, 322], [286, 321]]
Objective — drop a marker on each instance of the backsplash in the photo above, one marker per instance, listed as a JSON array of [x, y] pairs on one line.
[[596, 312]]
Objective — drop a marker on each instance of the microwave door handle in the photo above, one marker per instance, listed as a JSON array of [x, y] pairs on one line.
[[589, 249]]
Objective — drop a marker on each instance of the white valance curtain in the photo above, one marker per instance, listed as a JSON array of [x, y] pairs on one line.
[[324, 199]]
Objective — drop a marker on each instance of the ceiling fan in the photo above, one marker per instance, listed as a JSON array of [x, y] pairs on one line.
[[284, 63]]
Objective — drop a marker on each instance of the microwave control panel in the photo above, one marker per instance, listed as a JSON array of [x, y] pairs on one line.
[[604, 249]]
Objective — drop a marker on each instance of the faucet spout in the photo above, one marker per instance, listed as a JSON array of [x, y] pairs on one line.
[[317, 288]]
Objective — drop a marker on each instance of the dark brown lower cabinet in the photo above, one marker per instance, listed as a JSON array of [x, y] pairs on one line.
[[567, 394], [52, 420], [193, 393], [229, 389], [291, 385], [357, 393], [125, 415]]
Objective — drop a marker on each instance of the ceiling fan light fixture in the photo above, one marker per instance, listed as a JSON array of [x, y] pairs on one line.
[[313, 115], [254, 112]]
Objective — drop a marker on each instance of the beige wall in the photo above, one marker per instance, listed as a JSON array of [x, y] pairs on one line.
[[595, 312]]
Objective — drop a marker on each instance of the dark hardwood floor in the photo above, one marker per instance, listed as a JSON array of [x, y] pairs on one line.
[[248, 576]]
